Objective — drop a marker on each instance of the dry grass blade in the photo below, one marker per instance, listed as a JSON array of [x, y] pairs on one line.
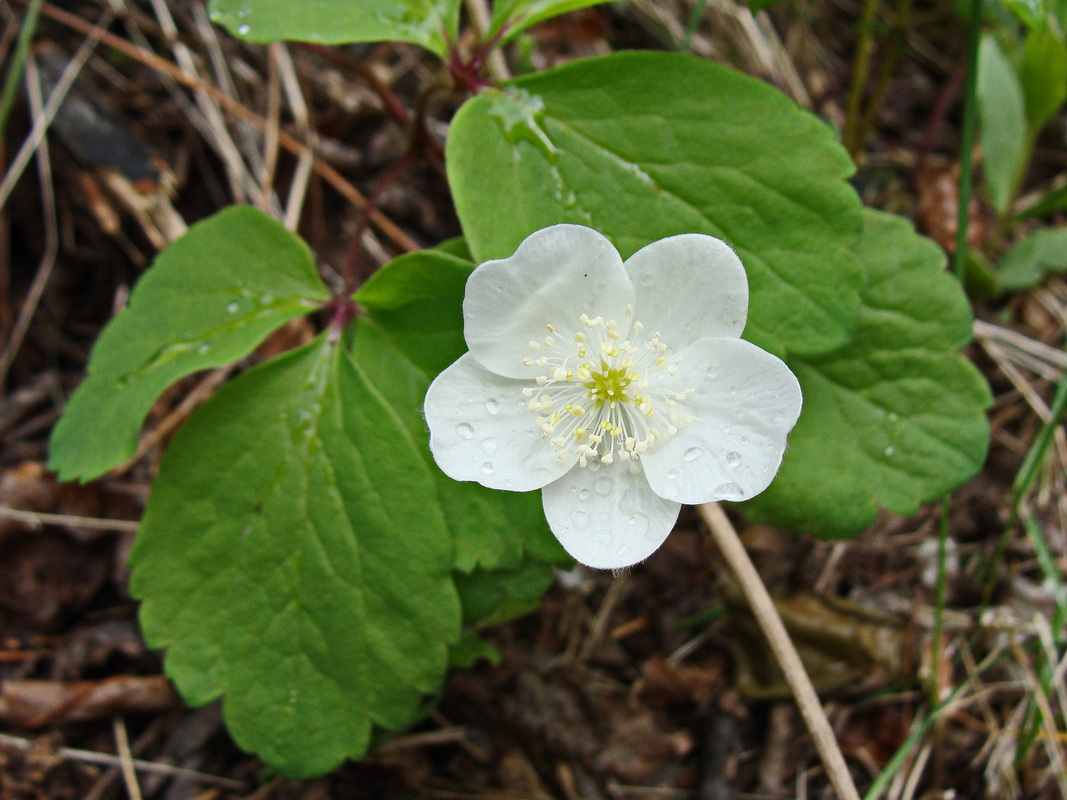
[[785, 653]]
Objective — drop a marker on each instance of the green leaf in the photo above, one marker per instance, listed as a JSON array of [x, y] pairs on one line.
[[518, 15], [209, 299], [895, 417], [288, 564], [646, 145], [1043, 76], [1031, 259], [430, 23], [1030, 12], [1002, 116], [760, 5], [413, 329]]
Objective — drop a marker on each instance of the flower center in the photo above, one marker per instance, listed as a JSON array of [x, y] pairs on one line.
[[606, 393]]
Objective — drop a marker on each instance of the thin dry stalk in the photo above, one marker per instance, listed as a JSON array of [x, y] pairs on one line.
[[38, 519], [479, 12], [129, 772], [785, 653], [51, 227]]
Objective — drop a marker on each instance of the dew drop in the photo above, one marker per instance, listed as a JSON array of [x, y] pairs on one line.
[[594, 466], [487, 468], [599, 287], [727, 431], [203, 349], [712, 371], [745, 438], [580, 520], [231, 308], [622, 550], [603, 486], [489, 445], [672, 474], [733, 391], [465, 430], [729, 491], [266, 299], [890, 450], [647, 278], [492, 405], [692, 454], [639, 524], [892, 417], [244, 28], [733, 459], [583, 494]]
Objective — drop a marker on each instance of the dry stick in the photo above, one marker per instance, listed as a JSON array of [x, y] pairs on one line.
[[129, 774], [782, 646], [38, 519], [109, 760], [289, 142], [51, 233]]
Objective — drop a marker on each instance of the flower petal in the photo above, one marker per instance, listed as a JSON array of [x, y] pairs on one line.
[[556, 275], [481, 430], [745, 403], [606, 516], [688, 287]]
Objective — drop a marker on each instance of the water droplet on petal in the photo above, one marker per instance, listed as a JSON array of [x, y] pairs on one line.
[[492, 405], [599, 287], [733, 459], [639, 524], [745, 438], [489, 445], [692, 454], [647, 278], [243, 29], [487, 468], [890, 450], [594, 466], [733, 391], [604, 486], [672, 474], [712, 371], [729, 491], [464, 430], [583, 494], [231, 308], [580, 520]]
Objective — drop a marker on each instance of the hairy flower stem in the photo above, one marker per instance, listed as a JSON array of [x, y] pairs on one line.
[[785, 653]]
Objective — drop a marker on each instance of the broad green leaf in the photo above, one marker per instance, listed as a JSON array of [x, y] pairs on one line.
[[895, 417], [646, 145], [209, 299], [518, 15], [1043, 77], [413, 328], [1054, 200], [1031, 259], [288, 562], [1002, 115], [1030, 12], [430, 23]]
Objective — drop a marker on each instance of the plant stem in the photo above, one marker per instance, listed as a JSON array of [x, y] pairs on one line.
[[18, 60], [479, 13], [860, 74], [970, 112], [722, 531]]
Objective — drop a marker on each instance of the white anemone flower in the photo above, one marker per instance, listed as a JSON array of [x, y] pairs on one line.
[[620, 389]]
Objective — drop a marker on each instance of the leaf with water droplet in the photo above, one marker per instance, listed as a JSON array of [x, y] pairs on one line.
[[268, 562], [894, 418], [413, 329], [190, 311], [642, 146], [424, 22]]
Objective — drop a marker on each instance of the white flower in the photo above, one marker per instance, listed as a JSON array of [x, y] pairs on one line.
[[621, 390]]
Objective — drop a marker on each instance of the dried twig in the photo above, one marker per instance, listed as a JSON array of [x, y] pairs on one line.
[[782, 646]]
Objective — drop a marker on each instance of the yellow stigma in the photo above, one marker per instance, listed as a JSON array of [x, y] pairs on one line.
[[608, 384]]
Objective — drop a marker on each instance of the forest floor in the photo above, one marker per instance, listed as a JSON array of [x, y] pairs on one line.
[[651, 685]]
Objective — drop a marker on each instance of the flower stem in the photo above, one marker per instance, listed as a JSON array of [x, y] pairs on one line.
[[725, 536]]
